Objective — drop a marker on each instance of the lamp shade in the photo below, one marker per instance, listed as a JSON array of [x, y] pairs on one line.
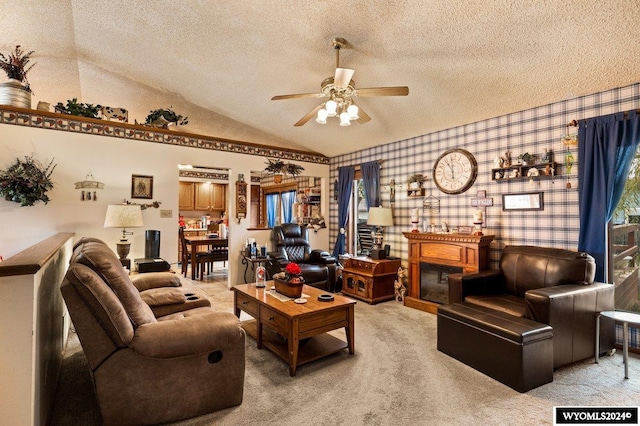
[[380, 216], [123, 216]]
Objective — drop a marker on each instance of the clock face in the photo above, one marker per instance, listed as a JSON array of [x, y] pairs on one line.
[[455, 171]]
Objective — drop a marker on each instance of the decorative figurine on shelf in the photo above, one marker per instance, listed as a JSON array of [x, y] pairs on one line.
[[445, 228], [506, 159], [498, 162], [399, 286], [477, 222], [415, 220]]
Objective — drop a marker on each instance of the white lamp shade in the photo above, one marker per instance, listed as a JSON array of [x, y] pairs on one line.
[[331, 107], [123, 216], [380, 216], [353, 112], [344, 119], [322, 116]]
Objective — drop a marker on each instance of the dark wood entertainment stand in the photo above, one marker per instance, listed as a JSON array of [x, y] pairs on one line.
[[469, 252]]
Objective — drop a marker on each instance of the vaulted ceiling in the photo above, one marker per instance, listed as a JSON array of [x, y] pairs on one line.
[[221, 62]]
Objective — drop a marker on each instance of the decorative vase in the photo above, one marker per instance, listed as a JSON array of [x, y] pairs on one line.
[[15, 94], [290, 288]]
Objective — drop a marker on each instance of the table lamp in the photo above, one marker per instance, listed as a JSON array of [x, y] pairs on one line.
[[123, 216], [379, 217]]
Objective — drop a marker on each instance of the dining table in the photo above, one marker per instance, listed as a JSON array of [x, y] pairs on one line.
[[199, 241]]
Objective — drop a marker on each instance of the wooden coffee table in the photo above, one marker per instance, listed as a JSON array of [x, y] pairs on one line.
[[281, 325]]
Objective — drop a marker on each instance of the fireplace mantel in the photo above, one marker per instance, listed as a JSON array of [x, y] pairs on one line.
[[469, 252]]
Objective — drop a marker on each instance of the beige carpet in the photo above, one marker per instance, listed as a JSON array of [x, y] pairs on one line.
[[396, 377]]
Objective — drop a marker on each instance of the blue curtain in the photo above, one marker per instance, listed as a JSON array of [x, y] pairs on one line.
[[345, 182], [288, 198], [272, 204], [371, 179], [606, 147]]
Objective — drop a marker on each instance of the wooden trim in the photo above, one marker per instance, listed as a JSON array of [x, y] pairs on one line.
[[30, 261], [84, 125]]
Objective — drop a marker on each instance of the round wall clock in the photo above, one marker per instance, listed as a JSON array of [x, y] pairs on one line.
[[455, 171]]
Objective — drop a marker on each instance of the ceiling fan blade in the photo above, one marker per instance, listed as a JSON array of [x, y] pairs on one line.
[[363, 116], [308, 117], [343, 77], [298, 95], [383, 91]]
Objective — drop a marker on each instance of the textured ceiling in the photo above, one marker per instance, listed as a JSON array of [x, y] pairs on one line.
[[220, 62]]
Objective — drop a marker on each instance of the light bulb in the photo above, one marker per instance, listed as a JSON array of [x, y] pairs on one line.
[[322, 116], [344, 119], [331, 107]]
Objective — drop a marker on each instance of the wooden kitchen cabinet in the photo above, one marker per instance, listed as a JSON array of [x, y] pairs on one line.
[[210, 196], [186, 196]]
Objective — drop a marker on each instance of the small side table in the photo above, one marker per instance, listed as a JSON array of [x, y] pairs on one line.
[[625, 318], [246, 260]]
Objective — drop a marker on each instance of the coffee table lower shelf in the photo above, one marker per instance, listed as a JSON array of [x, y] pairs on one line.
[[316, 347]]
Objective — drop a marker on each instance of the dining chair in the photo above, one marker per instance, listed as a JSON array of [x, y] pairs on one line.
[[202, 259]]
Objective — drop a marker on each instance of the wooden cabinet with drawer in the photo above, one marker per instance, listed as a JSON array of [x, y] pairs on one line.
[[369, 279]]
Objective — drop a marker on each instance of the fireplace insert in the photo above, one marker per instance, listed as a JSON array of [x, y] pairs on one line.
[[434, 283]]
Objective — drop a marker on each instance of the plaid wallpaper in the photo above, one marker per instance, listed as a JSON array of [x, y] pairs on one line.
[[529, 131]]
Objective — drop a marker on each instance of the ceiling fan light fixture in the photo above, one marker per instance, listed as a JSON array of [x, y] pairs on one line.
[[352, 110], [344, 119], [322, 116], [332, 108]]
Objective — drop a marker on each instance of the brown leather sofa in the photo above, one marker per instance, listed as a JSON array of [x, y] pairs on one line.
[[537, 312], [291, 244], [150, 366]]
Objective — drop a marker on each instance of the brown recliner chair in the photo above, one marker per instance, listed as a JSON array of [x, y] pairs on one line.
[[149, 369], [539, 296], [291, 244], [162, 291]]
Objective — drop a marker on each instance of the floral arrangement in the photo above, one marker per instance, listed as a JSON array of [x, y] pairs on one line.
[[26, 181], [80, 109], [418, 177], [279, 166], [293, 269], [15, 65], [161, 117]]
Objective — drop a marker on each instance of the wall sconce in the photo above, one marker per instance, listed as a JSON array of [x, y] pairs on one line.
[[241, 198], [89, 183]]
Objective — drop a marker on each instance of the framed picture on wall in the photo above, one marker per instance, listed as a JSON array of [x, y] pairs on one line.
[[523, 201], [141, 186]]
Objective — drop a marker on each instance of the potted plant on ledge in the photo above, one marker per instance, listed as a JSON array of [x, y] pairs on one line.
[[16, 92], [416, 181], [162, 118]]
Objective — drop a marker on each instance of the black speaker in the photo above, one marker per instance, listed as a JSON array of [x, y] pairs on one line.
[[378, 254], [387, 250], [152, 244]]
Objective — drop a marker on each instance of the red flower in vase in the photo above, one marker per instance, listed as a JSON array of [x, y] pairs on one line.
[[293, 269]]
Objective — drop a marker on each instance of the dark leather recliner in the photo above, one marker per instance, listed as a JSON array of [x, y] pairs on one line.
[[291, 244]]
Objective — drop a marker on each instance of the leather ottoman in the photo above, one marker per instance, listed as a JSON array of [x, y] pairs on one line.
[[515, 351]]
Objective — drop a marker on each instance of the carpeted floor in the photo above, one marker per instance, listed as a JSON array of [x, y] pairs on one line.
[[396, 376]]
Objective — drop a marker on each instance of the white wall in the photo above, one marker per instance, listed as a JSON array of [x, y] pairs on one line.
[[113, 160]]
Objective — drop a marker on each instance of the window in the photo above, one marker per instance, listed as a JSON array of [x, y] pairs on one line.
[[279, 205], [624, 234], [359, 236]]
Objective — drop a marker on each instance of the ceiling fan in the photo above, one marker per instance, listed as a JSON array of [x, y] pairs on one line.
[[341, 91]]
